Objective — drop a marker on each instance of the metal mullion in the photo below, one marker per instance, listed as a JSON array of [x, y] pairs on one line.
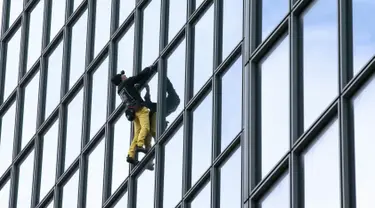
[[3, 13], [37, 170], [61, 146], [296, 171], [115, 10]]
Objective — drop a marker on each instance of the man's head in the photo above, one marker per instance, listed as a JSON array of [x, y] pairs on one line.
[[118, 78]]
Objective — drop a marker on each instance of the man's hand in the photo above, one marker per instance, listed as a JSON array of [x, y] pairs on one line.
[[147, 88]]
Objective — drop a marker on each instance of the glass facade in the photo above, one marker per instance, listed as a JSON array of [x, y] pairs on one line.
[[276, 104]]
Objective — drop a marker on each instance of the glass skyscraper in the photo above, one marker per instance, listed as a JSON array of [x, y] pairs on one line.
[[276, 103]]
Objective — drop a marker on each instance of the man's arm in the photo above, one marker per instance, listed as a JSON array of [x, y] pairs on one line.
[[144, 75]]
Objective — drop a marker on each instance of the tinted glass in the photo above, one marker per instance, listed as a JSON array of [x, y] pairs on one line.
[[7, 137], [78, 49], [230, 182], [272, 13], [177, 17], [70, 192], [35, 34], [102, 24], [231, 99], [275, 105], [320, 59], [279, 195], [4, 195], [204, 198], [58, 17], [74, 129], [151, 28], [25, 181], [146, 186], [364, 143], [126, 7], [12, 63], [322, 169], [123, 202], [95, 176], [121, 142], [203, 52], [99, 98], [202, 138], [173, 170], [125, 51], [54, 72], [15, 10], [30, 110], [232, 25]]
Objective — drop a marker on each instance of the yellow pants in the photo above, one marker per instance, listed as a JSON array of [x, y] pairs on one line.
[[141, 130], [152, 131]]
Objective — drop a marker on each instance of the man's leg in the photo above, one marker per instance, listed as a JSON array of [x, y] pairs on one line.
[[152, 133], [173, 100], [133, 145], [144, 121]]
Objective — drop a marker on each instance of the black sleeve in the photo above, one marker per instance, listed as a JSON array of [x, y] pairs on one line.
[[144, 75]]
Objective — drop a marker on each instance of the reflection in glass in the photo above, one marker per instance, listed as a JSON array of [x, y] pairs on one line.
[[176, 75], [30, 110], [363, 36], [203, 52], [151, 27], [54, 72], [231, 103], [16, 8], [74, 129], [232, 25], [70, 192], [364, 144], [177, 17], [35, 34], [279, 195], [4, 195], [25, 181], [78, 49], [230, 182], [58, 17], [8, 120], [123, 202], [323, 155], [49, 158], [272, 13], [125, 48], [145, 193], [202, 138], [275, 106], [125, 8], [203, 199], [95, 176], [320, 52], [121, 141], [99, 98], [102, 24], [12, 63], [173, 170]]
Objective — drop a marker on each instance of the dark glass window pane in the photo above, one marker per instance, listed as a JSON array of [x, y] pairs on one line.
[[70, 192], [230, 182], [279, 195], [58, 17], [322, 170], [232, 25], [204, 198], [102, 25], [272, 14], [125, 8], [25, 181], [146, 187], [8, 120], [4, 195], [177, 17], [320, 53], [16, 8]]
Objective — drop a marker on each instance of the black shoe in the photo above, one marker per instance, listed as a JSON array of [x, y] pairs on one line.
[[131, 160], [140, 149]]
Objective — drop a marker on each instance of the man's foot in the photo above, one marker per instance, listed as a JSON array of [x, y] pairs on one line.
[[150, 166], [131, 160], [140, 149]]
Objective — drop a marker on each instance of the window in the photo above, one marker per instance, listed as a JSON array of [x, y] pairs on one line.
[[12, 63], [99, 98], [76, 4], [125, 51], [102, 25], [16, 8], [177, 17], [57, 17], [203, 51], [125, 8], [74, 129], [54, 79], [8, 120], [151, 29], [279, 195], [70, 192], [173, 170], [30, 110], [232, 25], [121, 143], [50, 205], [25, 181], [272, 14], [322, 169], [363, 116], [78, 49], [231, 103], [35, 34], [198, 3], [123, 202], [203, 199], [275, 106], [95, 176], [4, 194], [320, 53], [49, 158], [202, 138], [145, 194], [230, 182]]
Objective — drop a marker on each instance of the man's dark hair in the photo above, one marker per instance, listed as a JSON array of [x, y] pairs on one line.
[[116, 80]]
